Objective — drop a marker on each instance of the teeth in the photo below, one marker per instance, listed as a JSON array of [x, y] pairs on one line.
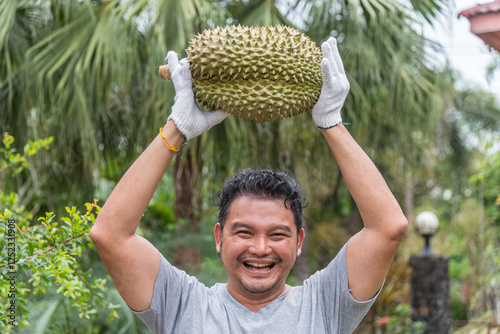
[[258, 265]]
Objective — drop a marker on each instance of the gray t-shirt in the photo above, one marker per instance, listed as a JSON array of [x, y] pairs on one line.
[[323, 304]]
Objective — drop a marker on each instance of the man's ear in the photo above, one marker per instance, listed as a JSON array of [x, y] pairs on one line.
[[218, 237], [300, 239]]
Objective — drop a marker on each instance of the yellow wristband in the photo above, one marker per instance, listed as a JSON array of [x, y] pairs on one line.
[[170, 146]]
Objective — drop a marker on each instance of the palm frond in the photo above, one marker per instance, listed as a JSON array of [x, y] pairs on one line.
[[22, 23], [257, 13]]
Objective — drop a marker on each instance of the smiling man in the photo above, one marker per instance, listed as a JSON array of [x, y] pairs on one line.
[[259, 234]]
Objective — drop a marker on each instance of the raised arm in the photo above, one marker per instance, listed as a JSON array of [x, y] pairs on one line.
[[370, 251], [131, 260]]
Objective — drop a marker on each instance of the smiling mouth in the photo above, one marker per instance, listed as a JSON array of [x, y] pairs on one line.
[[258, 266]]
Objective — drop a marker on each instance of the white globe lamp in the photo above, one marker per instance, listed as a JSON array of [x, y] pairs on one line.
[[427, 224]]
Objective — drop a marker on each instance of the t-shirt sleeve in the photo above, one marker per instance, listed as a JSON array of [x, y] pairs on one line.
[[171, 294], [337, 299]]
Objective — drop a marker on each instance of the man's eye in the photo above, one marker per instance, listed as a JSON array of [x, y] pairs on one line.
[[243, 232]]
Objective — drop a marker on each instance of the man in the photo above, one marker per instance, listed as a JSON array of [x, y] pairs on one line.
[[259, 234]]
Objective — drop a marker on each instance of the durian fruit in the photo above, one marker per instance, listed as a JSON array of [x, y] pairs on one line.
[[256, 73]]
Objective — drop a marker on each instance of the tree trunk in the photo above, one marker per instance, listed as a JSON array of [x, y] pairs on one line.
[[408, 194], [188, 204], [187, 195]]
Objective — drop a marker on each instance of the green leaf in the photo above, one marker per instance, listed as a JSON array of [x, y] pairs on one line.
[[45, 316], [18, 170], [7, 140]]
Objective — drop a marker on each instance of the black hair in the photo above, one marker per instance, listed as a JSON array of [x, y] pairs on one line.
[[262, 184]]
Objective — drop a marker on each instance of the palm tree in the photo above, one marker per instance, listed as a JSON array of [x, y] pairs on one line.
[[394, 90], [92, 67], [87, 71]]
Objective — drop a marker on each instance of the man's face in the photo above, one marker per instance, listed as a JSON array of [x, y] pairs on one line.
[[258, 246]]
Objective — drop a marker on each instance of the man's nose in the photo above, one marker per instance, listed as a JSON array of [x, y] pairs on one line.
[[260, 246]]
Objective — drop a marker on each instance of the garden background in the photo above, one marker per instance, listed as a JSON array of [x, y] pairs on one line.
[[80, 99]]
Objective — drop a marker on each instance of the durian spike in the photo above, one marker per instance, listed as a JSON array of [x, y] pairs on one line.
[[164, 72]]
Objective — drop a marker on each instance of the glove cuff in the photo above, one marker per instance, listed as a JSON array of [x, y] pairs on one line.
[[327, 121]]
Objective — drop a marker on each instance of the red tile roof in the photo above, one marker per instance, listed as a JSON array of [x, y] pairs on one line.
[[485, 22], [490, 7]]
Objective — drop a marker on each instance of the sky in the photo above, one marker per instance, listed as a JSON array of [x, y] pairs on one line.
[[466, 52]]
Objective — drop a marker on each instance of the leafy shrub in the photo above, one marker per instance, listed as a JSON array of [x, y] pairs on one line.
[[38, 255]]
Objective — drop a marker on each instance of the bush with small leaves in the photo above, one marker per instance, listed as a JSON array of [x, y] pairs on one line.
[[37, 255]]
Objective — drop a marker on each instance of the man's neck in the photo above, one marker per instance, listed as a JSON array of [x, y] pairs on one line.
[[254, 302]]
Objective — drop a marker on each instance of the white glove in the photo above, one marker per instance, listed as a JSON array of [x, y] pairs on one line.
[[186, 114], [326, 112]]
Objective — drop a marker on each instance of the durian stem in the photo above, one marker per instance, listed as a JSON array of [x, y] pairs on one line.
[[164, 72]]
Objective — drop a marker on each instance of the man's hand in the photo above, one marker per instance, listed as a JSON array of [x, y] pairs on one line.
[[326, 112], [186, 114]]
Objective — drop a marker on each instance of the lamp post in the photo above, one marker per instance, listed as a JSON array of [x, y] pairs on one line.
[[429, 280], [427, 224]]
